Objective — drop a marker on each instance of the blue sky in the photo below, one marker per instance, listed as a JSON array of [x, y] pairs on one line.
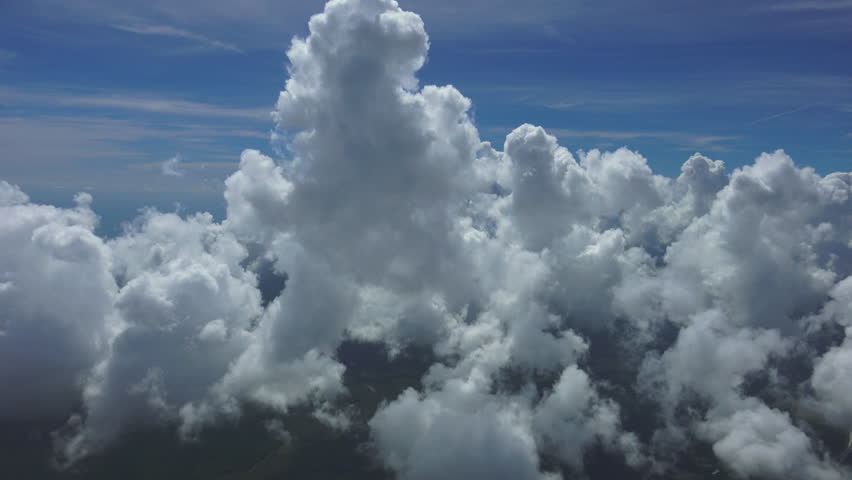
[[98, 94]]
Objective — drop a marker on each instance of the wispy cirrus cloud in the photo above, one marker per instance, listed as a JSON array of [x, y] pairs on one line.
[[771, 89], [696, 139], [96, 131], [80, 147], [685, 139], [38, 141], [600, 103], [781, 114], [187, 167], [169, 31], [131, 102], [165, 105], [819, 6]]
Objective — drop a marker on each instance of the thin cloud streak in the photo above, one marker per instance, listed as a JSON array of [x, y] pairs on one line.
[[772, 117], [819, 6], [13, 96], [91, 144], [161, 105], [169, 31], [690, 139], [225, 166]]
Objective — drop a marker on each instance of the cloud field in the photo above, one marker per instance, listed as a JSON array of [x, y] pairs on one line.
[[394, 223]]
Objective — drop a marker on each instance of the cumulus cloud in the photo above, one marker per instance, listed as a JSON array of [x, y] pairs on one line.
[[392, 222], [171, 167], [831, 384], [757, 441], [57, 295], [424, 437], [186, 305], [574, 416]]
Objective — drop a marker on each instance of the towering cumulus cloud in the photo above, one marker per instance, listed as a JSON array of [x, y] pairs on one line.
[[576, 305], [57, 294]]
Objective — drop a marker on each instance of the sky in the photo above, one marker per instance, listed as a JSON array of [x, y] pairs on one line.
[[647, 307], [97, 94]]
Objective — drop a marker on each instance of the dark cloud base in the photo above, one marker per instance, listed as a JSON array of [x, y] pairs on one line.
[[246, 449]]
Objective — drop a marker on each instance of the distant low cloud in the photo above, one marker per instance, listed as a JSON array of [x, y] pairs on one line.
[[172, 167]]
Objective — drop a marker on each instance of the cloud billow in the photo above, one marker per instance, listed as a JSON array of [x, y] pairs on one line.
[[395, 223]]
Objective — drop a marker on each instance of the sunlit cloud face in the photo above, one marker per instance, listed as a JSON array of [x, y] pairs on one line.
[[517, 266]]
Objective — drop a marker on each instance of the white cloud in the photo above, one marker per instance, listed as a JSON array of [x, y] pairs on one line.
[[11, 195], [134, 103], [170, 31], [456, 436], [393, 222], [831, 384], [57, 298], [171, 167], [756, 441], [573, 417], [186, 305]]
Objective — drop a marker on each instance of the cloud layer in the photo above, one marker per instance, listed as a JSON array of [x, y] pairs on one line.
[[393, 222]]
